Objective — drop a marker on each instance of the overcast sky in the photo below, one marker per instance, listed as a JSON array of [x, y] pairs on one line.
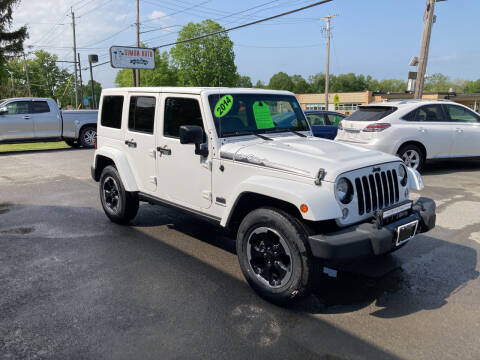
[[375, 37]]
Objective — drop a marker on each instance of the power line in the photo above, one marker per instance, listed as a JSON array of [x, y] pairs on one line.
[[245, 25]]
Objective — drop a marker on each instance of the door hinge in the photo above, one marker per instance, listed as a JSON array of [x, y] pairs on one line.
[[207, 195]]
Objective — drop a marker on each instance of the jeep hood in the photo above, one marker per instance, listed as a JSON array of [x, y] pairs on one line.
[[303, 156]]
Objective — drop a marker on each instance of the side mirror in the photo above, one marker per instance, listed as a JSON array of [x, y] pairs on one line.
[[3, 110], [193, 134]]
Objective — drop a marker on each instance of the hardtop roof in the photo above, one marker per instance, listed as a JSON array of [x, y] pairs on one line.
[[194, 90]]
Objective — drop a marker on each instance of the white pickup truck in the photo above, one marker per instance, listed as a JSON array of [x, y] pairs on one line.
[[40, 119], [246, 159]]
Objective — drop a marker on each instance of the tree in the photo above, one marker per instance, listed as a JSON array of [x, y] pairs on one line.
[[281, 81], [11, 42], [300, 85], [259, 84], [204, 62], [472, 86], [317, 83], [244, 82], [164, 74]]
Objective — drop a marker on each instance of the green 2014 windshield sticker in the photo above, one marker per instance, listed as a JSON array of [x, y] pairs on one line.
[[263, 118], [223, 106]]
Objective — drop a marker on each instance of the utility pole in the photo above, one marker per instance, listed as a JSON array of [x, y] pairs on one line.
[[429, 20], [74, 57], [26, 74], [327, 71], [137, 71], [81, 82]]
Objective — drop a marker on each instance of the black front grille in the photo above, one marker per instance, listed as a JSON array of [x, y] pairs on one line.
[[376, 191]]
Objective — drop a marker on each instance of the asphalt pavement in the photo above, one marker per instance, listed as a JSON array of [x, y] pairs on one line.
[[74, 285]]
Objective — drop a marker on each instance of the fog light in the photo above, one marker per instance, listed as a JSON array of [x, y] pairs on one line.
[[344, 213]]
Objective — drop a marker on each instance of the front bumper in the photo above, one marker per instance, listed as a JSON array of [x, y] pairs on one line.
[[370, 239]]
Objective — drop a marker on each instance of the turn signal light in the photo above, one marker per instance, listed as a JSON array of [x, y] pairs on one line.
[[304, 208], [376, 127]]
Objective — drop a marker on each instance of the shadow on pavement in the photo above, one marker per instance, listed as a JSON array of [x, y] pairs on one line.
[[439, 167]]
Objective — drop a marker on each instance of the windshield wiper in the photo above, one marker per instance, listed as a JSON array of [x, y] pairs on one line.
[[241, 133], [285, 130]]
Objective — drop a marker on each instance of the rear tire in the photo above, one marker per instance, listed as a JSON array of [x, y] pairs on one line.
[[412, 156], [87, 136], [119, 205], [273, 254]]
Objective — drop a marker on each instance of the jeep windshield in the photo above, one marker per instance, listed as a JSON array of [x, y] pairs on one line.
[[371, 113], [245, 114]]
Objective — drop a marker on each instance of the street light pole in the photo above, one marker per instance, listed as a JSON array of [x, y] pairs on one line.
[[92, 59], [327, 71]]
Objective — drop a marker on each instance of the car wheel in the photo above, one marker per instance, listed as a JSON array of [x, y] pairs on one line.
[[273, 255], [412, 156], [119, 205], [87, 136], [72, 143]]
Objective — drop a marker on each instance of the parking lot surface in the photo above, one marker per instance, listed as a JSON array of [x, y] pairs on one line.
[[74, 285]]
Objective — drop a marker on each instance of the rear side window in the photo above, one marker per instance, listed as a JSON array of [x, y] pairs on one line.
[[430, 113], [334, 119], [371, 113], [112, 107], [141, 115], [179, 112], [40, 107]]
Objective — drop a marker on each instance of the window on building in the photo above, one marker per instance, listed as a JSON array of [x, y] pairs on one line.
[[18, 107], [461, 114], [112, 111], [141, 115], [347, 106], [179, 112], [40, 107], [317, 106]]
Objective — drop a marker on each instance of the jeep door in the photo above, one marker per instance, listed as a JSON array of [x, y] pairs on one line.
[[183, 177], [17, 123], [140, 139], [467, 130]]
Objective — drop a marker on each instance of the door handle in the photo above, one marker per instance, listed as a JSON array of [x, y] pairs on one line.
[[26, 117], [422, 130], [164, 150], [459, 131], [131, 143]]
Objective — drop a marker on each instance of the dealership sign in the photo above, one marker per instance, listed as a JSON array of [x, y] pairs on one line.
[[132, 58]]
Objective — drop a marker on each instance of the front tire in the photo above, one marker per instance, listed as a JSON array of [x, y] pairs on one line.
[[412, 156], [87, 136], [119, 205], [273, 255]]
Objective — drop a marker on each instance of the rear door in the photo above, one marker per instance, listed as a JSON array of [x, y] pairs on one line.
[[140, 139], [17, 124], [334, 120], [466, 126], [184, 178], [46, 120], [429, 125]]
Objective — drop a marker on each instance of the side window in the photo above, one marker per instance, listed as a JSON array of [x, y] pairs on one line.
[[40, 107], [179, 112], [334, 119], [430, 113], [18, 107], [112, 107], [141, 115], [316, 120], [460, 114]]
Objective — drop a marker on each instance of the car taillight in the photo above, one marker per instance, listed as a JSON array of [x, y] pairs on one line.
[[376, 127]]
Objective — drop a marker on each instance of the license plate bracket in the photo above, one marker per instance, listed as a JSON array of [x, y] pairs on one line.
[[405, 232]]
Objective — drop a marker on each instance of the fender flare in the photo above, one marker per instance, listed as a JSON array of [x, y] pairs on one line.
[[122, 165], [321, 201]]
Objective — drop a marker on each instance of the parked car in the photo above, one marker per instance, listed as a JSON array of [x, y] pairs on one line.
[[292, 200], [324, 123], [40, 119], [415, 130]]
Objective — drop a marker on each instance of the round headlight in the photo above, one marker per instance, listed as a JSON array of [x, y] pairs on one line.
[[344, 190], [402, 175]]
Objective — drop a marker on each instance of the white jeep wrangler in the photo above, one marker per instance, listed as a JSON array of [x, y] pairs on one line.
[[246, 159]]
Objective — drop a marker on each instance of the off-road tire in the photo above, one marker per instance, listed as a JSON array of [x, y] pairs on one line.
[[127, 201], [413, 148], [295, 236], [87, 136]]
